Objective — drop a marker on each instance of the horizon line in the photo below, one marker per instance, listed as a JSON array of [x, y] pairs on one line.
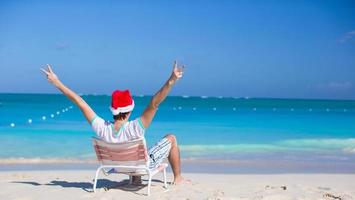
[[190, 96]]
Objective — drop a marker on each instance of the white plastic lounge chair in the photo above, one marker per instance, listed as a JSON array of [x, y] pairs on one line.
[[129, 158]]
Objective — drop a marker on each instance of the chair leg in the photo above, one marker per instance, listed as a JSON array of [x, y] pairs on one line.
[[149, 183], [165, 184], [96, 176], [130, 179]]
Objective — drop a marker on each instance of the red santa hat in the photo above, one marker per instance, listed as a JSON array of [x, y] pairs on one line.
[[121, 102]]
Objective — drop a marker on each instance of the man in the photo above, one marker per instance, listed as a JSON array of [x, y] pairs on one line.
[[122, 130]]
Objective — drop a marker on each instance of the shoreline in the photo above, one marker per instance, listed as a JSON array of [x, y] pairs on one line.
[[193, 165]]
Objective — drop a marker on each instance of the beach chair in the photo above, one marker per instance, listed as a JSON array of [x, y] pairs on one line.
[[129, 158]]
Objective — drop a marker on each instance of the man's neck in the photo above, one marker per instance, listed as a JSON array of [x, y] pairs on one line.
[[119, 123]]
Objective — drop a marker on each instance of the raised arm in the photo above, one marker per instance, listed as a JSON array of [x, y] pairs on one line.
[[159, 97], [76, 99]]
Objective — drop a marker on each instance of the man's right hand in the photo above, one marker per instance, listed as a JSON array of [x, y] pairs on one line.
[[177, 72], [151, 109]]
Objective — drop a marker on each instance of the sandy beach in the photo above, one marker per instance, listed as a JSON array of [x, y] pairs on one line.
[[77, 184]]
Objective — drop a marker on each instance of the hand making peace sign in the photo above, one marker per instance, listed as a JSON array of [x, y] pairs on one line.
[[177, 71], [51, 76]]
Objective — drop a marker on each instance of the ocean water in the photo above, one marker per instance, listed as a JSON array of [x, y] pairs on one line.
[[321, 131]]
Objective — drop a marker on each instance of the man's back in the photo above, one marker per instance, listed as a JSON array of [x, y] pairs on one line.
[[129, 131]]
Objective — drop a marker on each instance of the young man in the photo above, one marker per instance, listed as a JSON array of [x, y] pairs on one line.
[[122, 129]]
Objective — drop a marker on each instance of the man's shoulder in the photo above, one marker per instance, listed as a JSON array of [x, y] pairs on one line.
[[134, 125], [107, 123], [102, 121]]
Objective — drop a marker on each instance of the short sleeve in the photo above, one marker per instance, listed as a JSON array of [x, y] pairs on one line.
[[136, 128], [98, 125]]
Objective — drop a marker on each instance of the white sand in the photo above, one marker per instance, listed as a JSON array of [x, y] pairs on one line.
[[26, 185]]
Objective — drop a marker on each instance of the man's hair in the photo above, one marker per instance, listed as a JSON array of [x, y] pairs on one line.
[[121, 116]]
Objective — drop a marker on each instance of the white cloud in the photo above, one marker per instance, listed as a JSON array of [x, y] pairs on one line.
[[62, 46], [348, 37], [336, 85]]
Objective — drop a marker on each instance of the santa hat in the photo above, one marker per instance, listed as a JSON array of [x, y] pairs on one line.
[[121, 102]]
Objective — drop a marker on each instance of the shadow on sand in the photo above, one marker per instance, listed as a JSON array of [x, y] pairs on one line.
[[88, 186]]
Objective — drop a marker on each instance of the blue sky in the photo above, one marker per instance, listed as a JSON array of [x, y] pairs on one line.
[[287, 49]]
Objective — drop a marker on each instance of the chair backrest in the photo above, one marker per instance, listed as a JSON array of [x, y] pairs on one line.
[[130, 153]]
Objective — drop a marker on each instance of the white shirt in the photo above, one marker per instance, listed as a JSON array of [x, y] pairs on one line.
[[129, 131]]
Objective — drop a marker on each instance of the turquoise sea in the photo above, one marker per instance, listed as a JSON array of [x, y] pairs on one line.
[[320, 132]]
